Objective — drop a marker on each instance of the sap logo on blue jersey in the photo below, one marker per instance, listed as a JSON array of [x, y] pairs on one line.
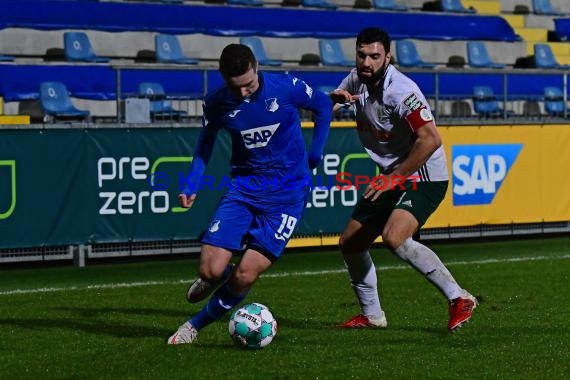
[[258, 137], [479, 171]]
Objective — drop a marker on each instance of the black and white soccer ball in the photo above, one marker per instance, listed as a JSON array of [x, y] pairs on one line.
[[253, 326]]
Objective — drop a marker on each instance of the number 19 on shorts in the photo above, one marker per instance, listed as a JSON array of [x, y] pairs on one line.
[[286, 228]]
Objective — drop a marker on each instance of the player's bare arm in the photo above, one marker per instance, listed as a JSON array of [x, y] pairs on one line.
[[428, 140]]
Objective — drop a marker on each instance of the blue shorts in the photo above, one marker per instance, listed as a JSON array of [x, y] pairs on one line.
[[239, 224]]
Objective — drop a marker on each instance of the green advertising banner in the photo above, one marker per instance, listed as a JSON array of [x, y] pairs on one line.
[[82, 186]]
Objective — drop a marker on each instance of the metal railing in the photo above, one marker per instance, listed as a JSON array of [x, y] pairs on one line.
[[451, 101]]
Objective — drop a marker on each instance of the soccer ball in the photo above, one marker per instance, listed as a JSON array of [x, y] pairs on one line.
[[253, 326]]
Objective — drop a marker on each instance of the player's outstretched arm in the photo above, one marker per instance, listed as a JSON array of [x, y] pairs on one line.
[[202, 155], [322, 108]]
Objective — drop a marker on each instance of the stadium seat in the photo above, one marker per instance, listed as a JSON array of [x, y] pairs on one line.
[[258, 50], [389, 5], [454, 6], [168, 50], [323, 4], [407, 55], [478, 56], [160, 106], [460, 108], [531, 108], [554, 101], [362, 4], [249, 3], [544, 58], [485, 103], [77, 48], [332, 55], [55, 102], [543, 7], [291, 3], [310, 59]]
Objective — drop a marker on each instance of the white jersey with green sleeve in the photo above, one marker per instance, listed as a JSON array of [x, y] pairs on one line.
[[386, 123]]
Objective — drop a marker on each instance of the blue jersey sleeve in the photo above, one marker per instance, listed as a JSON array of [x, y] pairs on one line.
[[202, 154], [304, 96]]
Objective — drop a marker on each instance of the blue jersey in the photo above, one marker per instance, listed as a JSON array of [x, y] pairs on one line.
[[269, 160]]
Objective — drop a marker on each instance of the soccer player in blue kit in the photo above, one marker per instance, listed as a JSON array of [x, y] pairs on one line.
[[269, 168]]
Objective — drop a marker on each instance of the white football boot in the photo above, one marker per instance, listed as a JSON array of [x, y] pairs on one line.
[[184, 335]]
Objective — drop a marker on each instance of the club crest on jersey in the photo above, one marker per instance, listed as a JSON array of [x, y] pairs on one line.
[[215, 226], [271, 104], [258, 137], [412, 102]]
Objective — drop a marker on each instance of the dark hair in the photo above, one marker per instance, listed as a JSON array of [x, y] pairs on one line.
[[236, 60], [371, 35]]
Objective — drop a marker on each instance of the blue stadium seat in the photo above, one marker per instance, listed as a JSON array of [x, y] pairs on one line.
[[485, 102], [249, 3], [554, 101], [454, 6], [256, 47], [77, 48], [160, 105], [544, 58], [55, 102], [407, 55], [478, 56], [323, 4], [389, 5], [168, 50], [543, 7], [332, 54]]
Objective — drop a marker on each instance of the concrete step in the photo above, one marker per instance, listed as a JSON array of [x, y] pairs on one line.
[[484, 7], [516, 21], [532, 34]]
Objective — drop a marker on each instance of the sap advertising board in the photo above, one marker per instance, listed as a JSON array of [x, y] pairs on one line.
[[479, 170]]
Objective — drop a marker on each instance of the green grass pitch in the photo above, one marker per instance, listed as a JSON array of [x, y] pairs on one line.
[[111, 321]]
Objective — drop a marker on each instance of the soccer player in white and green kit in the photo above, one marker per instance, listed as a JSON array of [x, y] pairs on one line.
[[396, 128]]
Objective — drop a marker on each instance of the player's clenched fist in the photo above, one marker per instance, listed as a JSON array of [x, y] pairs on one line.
[[186, 201], [342, 96]]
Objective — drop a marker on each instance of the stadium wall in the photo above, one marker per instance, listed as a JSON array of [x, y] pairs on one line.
[[81, 187]]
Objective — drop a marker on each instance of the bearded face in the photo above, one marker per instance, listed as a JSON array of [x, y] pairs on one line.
[[370, 76], [371, 62]]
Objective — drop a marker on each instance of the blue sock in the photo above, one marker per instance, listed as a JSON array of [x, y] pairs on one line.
[[222, 301]]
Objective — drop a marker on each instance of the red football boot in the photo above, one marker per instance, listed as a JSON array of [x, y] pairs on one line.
[[361, 321], [460, 310]]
